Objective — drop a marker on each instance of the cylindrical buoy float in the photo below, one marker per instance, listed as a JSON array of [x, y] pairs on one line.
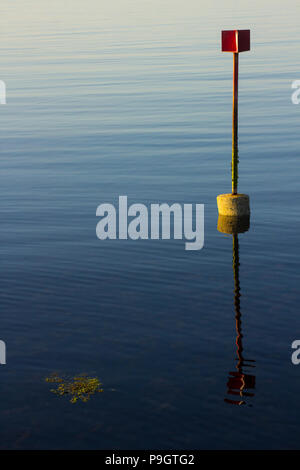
[[233, 205]]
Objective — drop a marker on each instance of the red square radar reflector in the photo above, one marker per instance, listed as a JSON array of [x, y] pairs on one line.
[[237, 40]]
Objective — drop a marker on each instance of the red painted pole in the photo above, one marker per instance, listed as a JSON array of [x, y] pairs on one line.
[[234, 163]]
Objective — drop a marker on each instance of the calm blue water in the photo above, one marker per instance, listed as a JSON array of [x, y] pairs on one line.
[[134, 98]]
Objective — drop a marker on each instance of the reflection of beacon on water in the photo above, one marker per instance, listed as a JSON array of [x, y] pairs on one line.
[[239, 382]]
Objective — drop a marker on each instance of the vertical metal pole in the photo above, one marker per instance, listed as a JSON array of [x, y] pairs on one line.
[[234, 163]]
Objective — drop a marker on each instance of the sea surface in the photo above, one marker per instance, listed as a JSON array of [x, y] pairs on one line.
[[134, 97]]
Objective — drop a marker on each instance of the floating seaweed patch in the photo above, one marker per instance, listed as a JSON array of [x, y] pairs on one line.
[[79, 387]]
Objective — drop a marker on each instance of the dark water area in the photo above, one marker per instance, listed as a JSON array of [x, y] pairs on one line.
[[136, 101]]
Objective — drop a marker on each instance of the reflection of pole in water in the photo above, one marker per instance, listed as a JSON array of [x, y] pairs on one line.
[[238, 324], [239, 382]]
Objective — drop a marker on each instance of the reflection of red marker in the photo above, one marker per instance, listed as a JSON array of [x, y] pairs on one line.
[[235, 41]]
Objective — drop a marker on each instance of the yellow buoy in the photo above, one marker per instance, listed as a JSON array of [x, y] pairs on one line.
[[233, 205]]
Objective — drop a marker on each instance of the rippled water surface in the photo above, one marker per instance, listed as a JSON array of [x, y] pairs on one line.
[[134, 98]]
